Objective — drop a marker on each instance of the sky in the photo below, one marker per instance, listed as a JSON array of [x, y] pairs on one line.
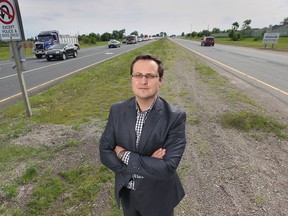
[[77, 17]]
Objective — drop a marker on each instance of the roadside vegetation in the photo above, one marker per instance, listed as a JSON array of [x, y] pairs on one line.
[[78, 101]]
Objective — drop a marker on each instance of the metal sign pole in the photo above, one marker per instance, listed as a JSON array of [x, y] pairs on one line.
[[11, 29], [21, 77]]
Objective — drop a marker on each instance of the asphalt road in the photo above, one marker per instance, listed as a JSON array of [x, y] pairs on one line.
[[265, 69], [40, 73]]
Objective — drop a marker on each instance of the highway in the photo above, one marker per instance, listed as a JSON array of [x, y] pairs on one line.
[[39, 73], [265, 69]]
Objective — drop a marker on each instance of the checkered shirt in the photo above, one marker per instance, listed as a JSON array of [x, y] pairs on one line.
[[140, 121]]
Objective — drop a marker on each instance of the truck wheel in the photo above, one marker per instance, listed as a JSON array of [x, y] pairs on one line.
[[48, 59], [38, 56], [75, 54], [64, 56]]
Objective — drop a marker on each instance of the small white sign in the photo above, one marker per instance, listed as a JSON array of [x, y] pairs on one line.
[[271, 38], [9, 26]]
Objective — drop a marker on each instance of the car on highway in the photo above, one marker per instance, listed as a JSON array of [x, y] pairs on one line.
[[61, 51], [208, 41], [114, 43]]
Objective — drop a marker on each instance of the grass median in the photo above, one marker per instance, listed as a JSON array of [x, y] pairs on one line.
[[74, 102]]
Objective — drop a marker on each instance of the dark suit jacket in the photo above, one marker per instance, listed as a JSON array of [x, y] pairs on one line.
[[164, 128]]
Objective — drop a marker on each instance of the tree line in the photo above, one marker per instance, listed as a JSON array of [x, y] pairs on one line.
[[234, 33]]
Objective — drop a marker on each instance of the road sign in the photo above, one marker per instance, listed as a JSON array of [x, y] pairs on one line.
[[11, 29], [10, 21], [271, 38]]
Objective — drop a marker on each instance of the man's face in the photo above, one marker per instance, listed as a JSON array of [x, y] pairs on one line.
[[146, 88]]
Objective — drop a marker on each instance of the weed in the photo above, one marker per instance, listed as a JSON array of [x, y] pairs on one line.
[[30, 173], [11, 190], [72, 143]]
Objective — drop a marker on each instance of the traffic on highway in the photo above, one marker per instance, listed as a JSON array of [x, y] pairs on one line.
[[265, 69], [40, 73]]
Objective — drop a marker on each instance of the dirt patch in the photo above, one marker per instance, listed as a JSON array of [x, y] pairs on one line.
[[224, 171]]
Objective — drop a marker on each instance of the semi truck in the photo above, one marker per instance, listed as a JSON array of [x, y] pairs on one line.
[[131, 39], [46, 39]]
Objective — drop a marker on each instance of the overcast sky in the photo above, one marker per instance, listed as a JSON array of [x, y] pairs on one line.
[[146, 16]]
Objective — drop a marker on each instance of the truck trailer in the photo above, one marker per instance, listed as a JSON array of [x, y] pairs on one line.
[[46, 39]]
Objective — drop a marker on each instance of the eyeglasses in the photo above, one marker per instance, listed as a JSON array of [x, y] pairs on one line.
[[147, 76]]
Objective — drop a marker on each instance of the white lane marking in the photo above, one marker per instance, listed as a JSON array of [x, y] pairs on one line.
[[259, 60], [242, 73]]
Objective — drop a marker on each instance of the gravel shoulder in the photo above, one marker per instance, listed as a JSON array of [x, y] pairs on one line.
[[224, 171]]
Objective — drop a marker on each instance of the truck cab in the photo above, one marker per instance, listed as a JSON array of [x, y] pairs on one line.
[[44, 40]]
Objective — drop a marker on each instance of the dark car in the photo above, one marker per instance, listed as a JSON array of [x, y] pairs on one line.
[[114, 44], [61, 51], [208, 41]]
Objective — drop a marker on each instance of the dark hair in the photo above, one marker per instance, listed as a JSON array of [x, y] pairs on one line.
[[148, 57]]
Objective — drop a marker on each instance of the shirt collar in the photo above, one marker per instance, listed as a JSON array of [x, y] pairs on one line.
[[149, 109]]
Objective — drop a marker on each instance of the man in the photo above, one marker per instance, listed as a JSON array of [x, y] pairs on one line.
[[143, 143]]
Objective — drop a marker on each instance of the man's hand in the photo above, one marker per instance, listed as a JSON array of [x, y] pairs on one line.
[[159, 153], [118, 149]]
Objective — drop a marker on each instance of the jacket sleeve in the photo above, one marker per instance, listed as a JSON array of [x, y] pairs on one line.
[[158, 169], [107, 145]]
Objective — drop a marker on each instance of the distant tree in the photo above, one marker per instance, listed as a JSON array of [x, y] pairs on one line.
[[246, 24], [183, 34], [115, 34], [285, 21], [134, 33], [234, 35], [204, 33], [94, 37], [235, 25], [106, 36], [194, 34], [246, 29], [215, 30]]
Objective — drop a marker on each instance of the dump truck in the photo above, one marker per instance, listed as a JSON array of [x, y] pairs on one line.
[[45, 39]]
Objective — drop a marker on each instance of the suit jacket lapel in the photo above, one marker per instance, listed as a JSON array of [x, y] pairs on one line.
[[151, 121], [130, 121]]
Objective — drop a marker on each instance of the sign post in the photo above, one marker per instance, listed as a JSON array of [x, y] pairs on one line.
[[11, 30]]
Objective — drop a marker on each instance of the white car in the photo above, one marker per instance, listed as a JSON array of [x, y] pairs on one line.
[[114, 44]]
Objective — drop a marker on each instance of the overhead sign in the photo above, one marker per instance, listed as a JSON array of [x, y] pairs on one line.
[[10, 21], [271, 38]]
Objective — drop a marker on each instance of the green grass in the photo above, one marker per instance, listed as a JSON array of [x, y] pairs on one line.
[[247, 121]]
